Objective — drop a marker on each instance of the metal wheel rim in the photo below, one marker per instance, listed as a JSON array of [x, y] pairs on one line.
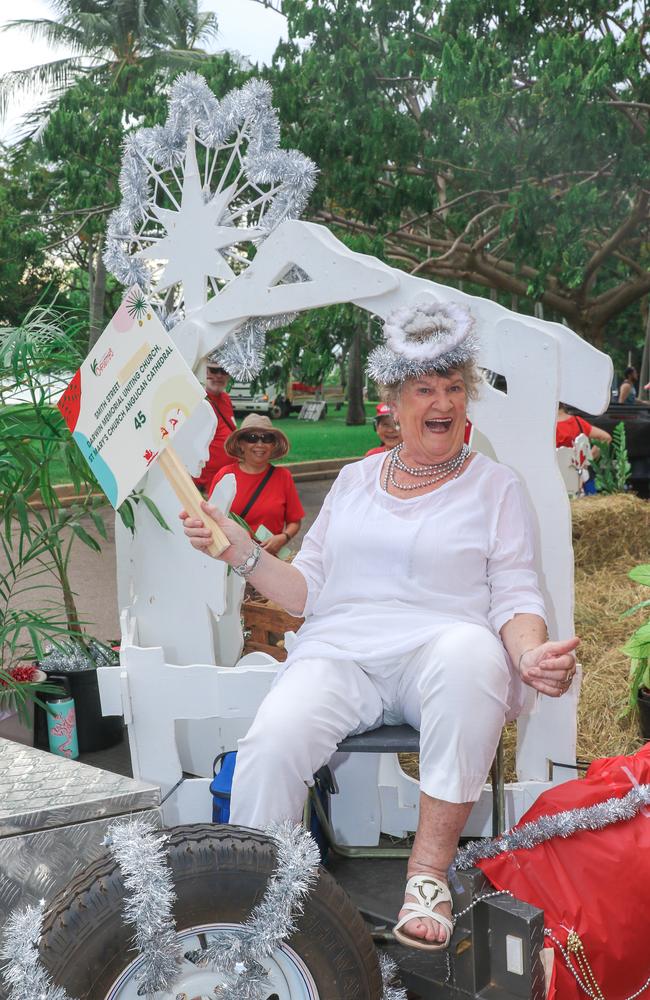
[[290, 977]]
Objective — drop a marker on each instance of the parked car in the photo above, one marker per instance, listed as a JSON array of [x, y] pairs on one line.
[[278, 403], [245, 399]]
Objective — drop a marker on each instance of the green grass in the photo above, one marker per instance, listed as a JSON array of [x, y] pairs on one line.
[[311, 440]]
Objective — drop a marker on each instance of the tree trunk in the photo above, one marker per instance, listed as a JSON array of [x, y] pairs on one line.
[[644, 374], [97, 282], [356, 409], [343, 375]]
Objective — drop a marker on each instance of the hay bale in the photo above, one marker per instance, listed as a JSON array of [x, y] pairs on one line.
[[610, 536]]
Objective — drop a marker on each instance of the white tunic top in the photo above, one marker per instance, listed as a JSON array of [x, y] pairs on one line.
[[384, 574]]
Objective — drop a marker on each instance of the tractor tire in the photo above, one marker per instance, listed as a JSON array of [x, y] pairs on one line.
[[220, 873]]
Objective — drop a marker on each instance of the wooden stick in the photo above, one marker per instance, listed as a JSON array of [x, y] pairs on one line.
[[181, 482]]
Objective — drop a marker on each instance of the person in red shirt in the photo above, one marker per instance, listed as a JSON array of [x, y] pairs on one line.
[[216, 380], [266, 494], [387, 432], [568, 427]]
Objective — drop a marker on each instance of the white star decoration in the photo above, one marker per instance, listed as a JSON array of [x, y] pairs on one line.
[[196, 192], [197, 233]]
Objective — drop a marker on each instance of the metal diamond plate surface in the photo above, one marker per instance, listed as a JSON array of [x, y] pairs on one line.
[[40, 790], [37, 866]]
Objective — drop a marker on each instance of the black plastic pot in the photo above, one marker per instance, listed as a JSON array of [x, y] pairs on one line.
[[643, 701], [94, 730]]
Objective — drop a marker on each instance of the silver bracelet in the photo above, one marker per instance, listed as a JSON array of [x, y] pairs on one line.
[[250, 563]]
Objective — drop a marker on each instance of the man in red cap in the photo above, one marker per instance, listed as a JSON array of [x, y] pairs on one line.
[[216, 380], [388, 433]]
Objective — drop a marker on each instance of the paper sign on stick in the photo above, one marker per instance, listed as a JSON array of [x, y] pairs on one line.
[[126, 402]]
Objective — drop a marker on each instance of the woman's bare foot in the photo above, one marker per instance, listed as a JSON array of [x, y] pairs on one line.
[[426, 928]]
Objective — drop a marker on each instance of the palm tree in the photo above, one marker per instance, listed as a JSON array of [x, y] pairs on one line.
[[105, 37], [110, 42]]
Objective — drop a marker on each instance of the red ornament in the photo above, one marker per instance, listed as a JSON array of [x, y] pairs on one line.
[[24, 674]]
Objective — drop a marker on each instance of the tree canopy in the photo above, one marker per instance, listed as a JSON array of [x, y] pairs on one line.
[[495, 145], [499, 144]]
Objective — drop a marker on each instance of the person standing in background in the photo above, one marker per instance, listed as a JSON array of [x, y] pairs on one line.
[[216, 380], [266, 496], [568, 427], [387, 432], [627, 388]]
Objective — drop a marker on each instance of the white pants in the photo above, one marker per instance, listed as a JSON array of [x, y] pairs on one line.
[[454, 690]]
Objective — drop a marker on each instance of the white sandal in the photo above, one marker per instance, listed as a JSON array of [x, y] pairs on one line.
[[431, 891]]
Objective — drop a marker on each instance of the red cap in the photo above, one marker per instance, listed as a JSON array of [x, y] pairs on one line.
[[383, 410]]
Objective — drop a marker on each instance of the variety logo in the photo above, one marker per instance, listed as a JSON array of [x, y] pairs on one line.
[[97, 367]]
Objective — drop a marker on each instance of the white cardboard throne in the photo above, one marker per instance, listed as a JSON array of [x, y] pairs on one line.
[[184, 691]]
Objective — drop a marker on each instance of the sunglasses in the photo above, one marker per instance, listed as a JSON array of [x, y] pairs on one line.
[[252, 438], [217, 371]]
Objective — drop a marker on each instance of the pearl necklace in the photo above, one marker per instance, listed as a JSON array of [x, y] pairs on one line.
[[440, 470]]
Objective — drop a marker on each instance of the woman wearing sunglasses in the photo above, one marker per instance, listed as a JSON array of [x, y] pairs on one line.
[[266, 494]]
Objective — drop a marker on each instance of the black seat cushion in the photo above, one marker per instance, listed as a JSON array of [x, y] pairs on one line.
[[385, 739]]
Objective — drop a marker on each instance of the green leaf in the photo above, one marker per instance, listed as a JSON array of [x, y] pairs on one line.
[[153, 509], [83, 535], [637, 607], [125, 510], [641, 574]]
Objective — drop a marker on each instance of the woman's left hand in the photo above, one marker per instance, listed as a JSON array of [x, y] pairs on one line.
[[550, 667], [273, 544]]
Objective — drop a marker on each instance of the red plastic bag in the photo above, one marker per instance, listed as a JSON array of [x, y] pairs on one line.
[[594, 882]]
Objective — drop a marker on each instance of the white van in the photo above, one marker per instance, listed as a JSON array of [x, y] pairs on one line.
[[245, 400]]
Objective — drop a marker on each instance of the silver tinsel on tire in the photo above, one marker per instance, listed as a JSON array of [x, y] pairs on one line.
[[562, 824], [393, 989], [140, 852], [239, 955], [23, 973]]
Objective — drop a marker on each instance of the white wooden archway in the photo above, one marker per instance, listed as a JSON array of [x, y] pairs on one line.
[[179, 599]]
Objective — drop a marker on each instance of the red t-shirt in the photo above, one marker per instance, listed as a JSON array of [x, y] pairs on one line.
[[217, 458], [566, 431], [278, 503], [375, 451]]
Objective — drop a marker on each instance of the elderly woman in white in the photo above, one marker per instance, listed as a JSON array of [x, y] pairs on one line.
[[421, 605]]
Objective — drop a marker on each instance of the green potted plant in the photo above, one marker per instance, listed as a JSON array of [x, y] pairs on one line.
[[38, 527], [612, 465], [637, 648], [23, 634]]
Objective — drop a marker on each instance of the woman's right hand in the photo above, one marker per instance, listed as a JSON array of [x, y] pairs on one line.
[[200, 537]]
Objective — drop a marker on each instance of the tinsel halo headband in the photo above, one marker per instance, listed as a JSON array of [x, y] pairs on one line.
[[423, 338]]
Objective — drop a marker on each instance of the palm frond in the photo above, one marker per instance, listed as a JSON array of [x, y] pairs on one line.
[[58, 74], [53, 33]]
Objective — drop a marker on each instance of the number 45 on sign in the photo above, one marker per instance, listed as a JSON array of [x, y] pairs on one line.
[[126, 402]]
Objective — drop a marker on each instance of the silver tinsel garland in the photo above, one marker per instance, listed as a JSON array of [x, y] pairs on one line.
[[193, 106], [423, 338], [393, 989], [23, 973], [69, 657], [238, 956], [562, 824], [242, 354], [140, 852], [274, 918]]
